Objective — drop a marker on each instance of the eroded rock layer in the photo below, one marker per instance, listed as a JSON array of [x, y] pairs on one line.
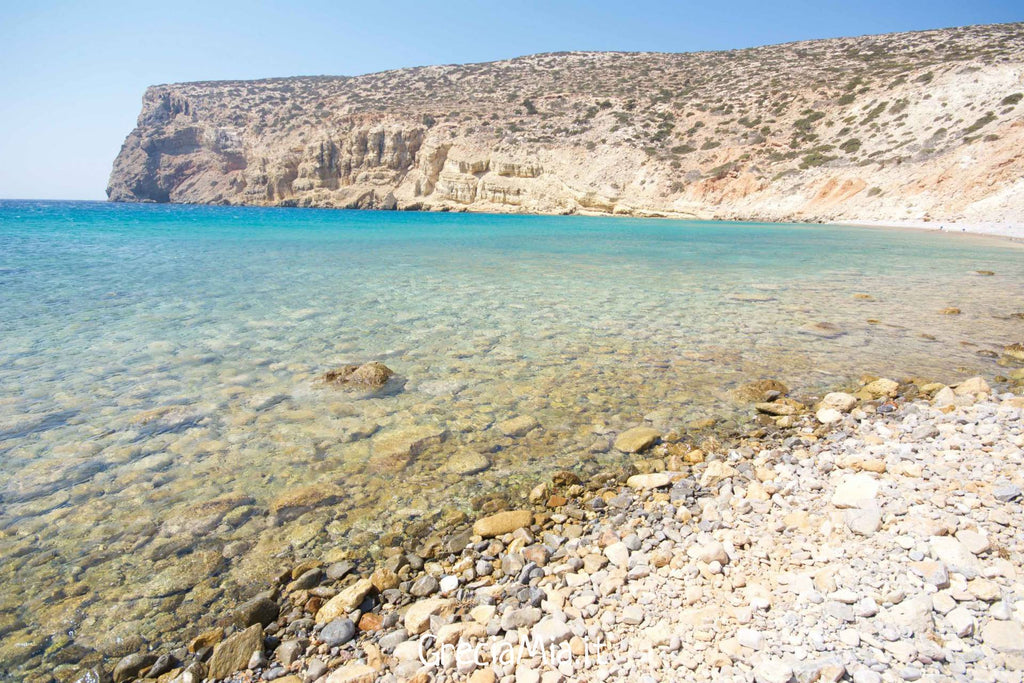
[[910, 126]]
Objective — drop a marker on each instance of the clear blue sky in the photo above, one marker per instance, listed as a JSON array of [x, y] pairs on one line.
[[72, 73]]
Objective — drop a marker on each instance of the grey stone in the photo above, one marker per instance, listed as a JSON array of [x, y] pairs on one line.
[[338, 632]]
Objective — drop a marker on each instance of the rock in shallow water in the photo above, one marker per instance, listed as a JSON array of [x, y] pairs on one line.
[[637, 439], [467, 462], [518, 426], [372, 374], [234, 653], [502, 523]]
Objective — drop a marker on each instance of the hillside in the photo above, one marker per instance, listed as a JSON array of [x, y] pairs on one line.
[[910, 126]]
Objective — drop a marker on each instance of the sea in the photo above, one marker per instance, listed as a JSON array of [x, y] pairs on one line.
[[166, 447]]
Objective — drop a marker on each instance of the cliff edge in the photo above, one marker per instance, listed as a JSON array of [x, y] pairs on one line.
[[925, 126]]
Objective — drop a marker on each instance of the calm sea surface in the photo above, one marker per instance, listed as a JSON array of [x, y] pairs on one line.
[[164, 448]]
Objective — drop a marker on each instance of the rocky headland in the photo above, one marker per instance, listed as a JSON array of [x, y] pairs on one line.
[[866, 536], [911, 128]]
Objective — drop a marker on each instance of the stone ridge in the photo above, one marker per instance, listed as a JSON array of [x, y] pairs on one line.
[[909, 126]]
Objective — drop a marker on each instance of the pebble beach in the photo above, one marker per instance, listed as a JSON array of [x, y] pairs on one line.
[[866, 536]]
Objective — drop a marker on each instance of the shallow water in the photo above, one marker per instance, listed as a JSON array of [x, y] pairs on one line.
[[157, 368]]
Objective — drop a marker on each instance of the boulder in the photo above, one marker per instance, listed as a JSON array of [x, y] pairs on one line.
[[132, 666], [827, 416], [856, 491], [644, 482], [1015, 351], [417, 617], [972, 387], [838, 400], [637, 439], [368, 375], [233, 653], [345, 601], [353, 673], [502, 523], [760, 390], [521, 425], [260, 611], [882, 388]]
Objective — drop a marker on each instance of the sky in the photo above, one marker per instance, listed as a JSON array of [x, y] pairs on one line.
[[72, 73]]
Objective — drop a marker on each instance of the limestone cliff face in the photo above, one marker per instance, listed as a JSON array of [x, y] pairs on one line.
[[909, 126]]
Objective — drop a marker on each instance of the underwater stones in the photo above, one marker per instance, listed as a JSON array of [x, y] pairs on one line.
[[637, 439], [392, 450], [132, 666], [167, 419], [521, 425], [296, 501], [466, 462], [779, 408], [203, 517], [825, 330], [760, 390], [233, 653], [952, 310], [368, 375], [259, 610], [206, 639], [442, 387], [1014, 351], [502, 523], [182, 574]]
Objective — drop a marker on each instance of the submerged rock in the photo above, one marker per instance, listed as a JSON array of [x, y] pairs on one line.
[[518, 426], [467, 462], [760, 390], [233, 654], [636, 439], [132, 666], [825, 330], [1015, 351], [372, 374]]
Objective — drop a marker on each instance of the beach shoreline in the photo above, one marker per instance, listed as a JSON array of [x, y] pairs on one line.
[[1013, 232], [673, 518]]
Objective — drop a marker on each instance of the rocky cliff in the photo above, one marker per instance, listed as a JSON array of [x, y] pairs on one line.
[[911, 126]]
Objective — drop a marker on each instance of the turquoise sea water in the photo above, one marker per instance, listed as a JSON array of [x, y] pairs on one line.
[[157, 366]]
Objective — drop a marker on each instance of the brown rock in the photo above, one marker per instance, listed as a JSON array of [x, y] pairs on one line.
[[502, 523], [353, 673], [372, 375], [370, 622], [233, 654], [345, 601], [758, 391], [206, 639], [295, 501], [383, 579], [637, 439]]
